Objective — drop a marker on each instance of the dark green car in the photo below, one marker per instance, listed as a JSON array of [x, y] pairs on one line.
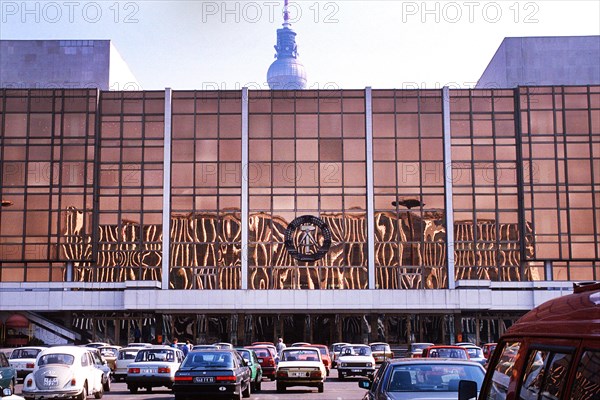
[[8, 374], [255, 368]]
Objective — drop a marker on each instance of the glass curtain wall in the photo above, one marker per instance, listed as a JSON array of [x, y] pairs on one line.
[[408, 164], [307, 157], [47, 148]]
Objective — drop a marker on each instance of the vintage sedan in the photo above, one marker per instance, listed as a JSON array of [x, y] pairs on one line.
[[446, 351], [300, 366], [255, 369], [125, 356], [267, 360], [213, 374], [381, 351], [8, 373], [64, 371], [23, 359], [109, 354], [101, 364], [154, 367], [421, 378], [356, 360]]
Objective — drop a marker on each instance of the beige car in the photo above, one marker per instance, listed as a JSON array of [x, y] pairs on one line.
[[125, 356], [300, 366], [381, 352], [109, 353]]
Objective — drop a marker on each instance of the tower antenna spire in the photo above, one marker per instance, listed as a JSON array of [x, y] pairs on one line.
[[286, 14]]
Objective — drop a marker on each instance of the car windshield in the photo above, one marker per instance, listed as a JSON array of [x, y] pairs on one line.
[[155, 355], [475, 353], [58, 358], [127, 354], [208, 359], [24, 353], [245, 354], [356, 351], [263, 353], [432, 377], [443, 352], [300, 355]]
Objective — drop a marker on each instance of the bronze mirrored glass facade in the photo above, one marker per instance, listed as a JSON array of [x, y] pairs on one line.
[[83, 196]]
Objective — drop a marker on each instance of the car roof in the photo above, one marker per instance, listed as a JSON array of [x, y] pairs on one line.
[[66, 349], [574, 315], [396, 361]]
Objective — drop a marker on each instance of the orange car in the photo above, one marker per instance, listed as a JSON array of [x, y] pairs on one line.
[[324, 350], [443, 351]]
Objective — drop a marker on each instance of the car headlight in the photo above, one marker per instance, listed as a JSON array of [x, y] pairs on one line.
[[369, 364], [343, 364]]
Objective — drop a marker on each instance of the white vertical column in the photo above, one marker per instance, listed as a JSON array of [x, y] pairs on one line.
[[448, 186], [245, 185], [166, 216], [370, 190]]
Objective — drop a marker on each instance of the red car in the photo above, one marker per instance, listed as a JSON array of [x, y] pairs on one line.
[[266, 359], [324, 350], [446, 352]]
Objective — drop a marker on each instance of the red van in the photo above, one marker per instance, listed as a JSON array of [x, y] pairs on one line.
[[552, 352]]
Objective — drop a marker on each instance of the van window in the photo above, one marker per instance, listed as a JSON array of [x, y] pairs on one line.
[[546, 373], [502, 372], [587, 378]]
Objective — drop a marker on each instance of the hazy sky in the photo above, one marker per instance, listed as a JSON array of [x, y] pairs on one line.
[[343, 44]]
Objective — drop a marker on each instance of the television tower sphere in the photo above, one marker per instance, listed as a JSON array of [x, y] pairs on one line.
[[286, 72]]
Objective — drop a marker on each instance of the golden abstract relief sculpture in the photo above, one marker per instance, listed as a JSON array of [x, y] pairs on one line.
[[410, 252]]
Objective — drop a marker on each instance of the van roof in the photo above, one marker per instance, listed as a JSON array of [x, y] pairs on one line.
[[573, 315]]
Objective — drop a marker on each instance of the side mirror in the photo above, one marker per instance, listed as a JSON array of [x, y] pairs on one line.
[[365, 384], [467, 390]]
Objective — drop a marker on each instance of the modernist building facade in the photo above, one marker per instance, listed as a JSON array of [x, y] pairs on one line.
[[317, 215]]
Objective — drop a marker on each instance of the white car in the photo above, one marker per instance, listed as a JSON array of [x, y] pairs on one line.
[[125, 356], [475, 353], [154, 366], [356, 360], [64, 371], [23, 359], [300, 366]]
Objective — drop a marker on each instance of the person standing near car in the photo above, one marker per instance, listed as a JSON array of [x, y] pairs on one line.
[[280, 346]]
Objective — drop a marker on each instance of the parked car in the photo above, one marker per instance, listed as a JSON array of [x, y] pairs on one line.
[[299, 344], [96, 344], [488, 349], [212, 373], [7, 394], [324, 355], [102, 365], [256, 374], [125, 356], [552, 352], [224, 346], [266, 360], [335, 352], [475, 354], [271, 348], [443, 351], [356, 360], [8, 373], [415, 350], [153, 367], [23, 359], [64, 371], [381, 351], [109, 354], [300, 366], [205, 347], [420, 378]]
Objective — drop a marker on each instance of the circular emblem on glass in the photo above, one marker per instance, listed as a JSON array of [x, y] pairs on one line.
[[307, 238]]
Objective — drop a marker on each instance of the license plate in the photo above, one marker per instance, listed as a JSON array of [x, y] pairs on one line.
[[204, 379], [356, 370], [260, 360], [147, 371], [297, 374], [50, 381]]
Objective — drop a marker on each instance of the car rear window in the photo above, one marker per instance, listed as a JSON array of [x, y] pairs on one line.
[[432, 377], [58, 358], [208, 359], [24, 353]]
